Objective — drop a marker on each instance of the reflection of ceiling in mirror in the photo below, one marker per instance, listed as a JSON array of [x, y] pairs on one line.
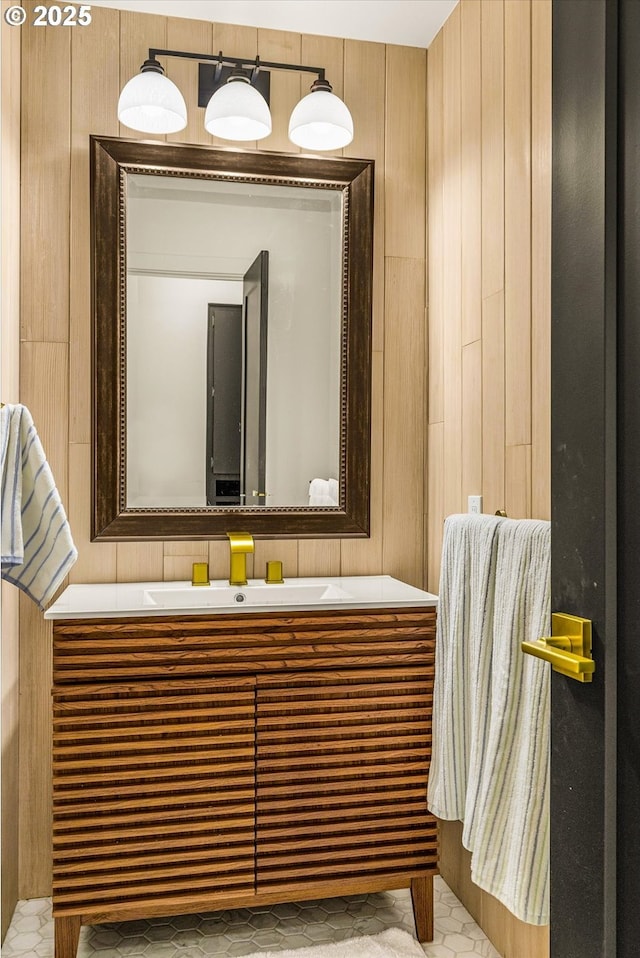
[[230, 193]]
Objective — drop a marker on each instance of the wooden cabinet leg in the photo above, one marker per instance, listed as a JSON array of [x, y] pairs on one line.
[[67, 936], [422, 897]]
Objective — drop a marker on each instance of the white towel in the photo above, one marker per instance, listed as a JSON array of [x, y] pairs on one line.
[[463, 662], [37, 548], [323, 492], [510, 843]]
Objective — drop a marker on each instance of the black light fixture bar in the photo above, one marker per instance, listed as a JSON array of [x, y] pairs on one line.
[[217, 69], [237, 61]]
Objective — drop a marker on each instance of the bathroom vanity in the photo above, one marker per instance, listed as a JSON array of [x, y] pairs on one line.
[[211, 752]]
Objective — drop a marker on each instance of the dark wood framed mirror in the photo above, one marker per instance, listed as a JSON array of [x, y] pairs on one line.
[[182, 436]]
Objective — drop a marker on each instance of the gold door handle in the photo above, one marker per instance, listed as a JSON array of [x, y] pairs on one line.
[[568, 648], [259, 495]]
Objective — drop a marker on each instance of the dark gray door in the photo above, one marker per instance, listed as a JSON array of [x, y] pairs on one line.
[[254, 405], [595, 760], [224, 393]]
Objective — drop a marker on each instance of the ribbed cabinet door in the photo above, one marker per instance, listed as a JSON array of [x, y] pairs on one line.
[[153, 793], [342, 765]]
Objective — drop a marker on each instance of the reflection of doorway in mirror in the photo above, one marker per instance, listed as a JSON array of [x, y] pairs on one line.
[[237, 393], [253, 448], [224, 404]]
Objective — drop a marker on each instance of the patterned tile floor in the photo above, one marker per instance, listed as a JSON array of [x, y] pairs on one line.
[[228, 934]]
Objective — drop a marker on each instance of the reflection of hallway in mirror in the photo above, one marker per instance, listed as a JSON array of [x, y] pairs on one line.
[[224, 406], [253, 448]]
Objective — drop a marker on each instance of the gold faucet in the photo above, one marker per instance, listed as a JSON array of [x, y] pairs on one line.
[[241, 544], [200, 573]]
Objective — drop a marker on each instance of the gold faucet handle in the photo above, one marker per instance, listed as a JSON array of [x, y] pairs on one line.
[[200, 573], [274, 572], [240, 541]]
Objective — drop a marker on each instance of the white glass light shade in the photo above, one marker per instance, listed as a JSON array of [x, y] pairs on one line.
[[151, 103], [321, 121], [237, 111]]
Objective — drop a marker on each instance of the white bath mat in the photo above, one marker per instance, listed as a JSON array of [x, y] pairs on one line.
[[392, 943]]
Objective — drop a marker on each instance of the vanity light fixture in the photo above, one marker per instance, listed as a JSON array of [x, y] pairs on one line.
[[235, 93]]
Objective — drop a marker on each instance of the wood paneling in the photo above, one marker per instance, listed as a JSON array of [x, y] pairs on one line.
[[452, 271], [435, 230], [492, 84], [471, 170], [280, 46], [35, 752], [489, 307], [405, 147], [540, 259], [471, 419], [189, 36], [489, 260], [46, 87], [436, 514], [405, 409], [317, 557], [44, 388], [493, 413], [140, 562], [10, 358], [517, 220]]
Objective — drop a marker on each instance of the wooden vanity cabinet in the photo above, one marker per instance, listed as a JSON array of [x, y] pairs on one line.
[[229, 761]]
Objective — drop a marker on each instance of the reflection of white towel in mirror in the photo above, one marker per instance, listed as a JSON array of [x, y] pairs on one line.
[[323, 492]]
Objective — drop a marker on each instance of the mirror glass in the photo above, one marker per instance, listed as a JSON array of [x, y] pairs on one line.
[[232, 315], [233, 343]]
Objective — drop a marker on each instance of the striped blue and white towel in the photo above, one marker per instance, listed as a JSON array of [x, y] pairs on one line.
[[510, 840], [463, 664], [37, 548]]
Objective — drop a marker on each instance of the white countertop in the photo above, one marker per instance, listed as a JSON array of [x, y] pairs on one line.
[[124, 599]]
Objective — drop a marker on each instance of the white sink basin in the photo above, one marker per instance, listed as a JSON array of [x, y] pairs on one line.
[[124, 599], [220, 596]]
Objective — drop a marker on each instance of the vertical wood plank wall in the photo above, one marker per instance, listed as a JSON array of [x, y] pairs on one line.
[[489, 198], [489, 283], [9, 647], [71, 81]]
